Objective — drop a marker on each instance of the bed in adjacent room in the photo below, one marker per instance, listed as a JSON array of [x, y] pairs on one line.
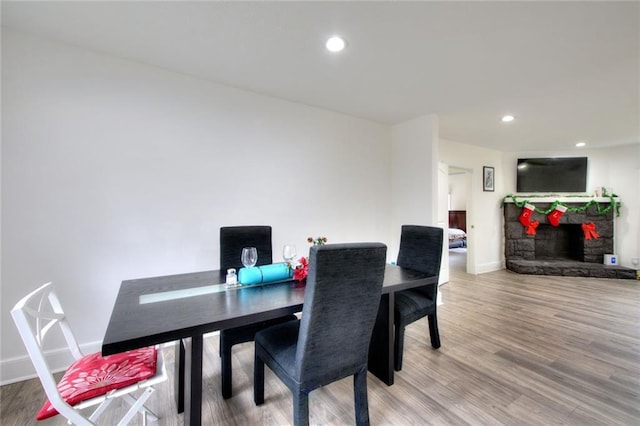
[[457, 228]]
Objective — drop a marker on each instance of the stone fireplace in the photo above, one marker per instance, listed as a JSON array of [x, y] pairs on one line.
[[563, 249]]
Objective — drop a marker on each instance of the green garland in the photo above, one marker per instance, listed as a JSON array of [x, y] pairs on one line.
[[599, 209]]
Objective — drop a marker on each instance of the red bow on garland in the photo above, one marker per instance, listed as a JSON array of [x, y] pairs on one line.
[[589, 230], [531, 228]]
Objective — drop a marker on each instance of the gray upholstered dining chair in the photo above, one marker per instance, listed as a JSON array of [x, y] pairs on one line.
[[331, 340], [232, 240], [420, 250]]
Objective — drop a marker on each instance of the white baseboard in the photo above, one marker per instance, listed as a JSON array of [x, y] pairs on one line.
[[490, 267], [20, 368]]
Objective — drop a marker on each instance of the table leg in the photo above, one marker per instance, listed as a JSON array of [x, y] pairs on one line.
[[179, 376], [193, 380], [381, 347]]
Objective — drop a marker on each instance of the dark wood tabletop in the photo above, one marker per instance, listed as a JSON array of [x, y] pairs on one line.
[[136, 324]]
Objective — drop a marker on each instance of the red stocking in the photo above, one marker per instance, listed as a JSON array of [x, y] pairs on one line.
[[525, 216], [556, 214]]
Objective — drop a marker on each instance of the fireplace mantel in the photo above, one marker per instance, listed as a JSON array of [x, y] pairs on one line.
[[550, 199]]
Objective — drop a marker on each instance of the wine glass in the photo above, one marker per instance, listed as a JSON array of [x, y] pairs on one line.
[[289, 253], [249, 257]]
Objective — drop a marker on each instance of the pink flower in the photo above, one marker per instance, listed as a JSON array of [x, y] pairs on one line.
[[301, 271]]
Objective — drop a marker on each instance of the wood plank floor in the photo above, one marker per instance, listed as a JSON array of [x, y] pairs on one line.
[[516, 350]]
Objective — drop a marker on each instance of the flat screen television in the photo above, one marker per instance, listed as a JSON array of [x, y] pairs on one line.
[[567, 174]]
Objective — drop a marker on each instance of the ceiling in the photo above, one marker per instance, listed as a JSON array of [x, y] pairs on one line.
[[568, 71]]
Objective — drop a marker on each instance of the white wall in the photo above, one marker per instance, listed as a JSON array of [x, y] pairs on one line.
[[458, 191], [443, 218], [484, 215], [114, 170], [414, 176], [616, 168]]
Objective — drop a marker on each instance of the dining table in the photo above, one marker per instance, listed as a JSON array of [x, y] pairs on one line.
[[184, 307]]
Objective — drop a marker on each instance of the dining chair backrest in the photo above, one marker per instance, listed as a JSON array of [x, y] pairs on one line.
[[234, 238], [341, 301], [421, 250], [35, 316]]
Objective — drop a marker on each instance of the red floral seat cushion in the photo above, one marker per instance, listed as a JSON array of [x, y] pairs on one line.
[[95, 375]]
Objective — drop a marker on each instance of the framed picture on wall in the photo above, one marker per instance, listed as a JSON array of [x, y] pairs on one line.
[[488, 179]]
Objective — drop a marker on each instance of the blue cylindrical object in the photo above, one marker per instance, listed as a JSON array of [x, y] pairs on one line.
[[265, 273]]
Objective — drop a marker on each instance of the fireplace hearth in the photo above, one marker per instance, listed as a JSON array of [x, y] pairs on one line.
[[561, 250]]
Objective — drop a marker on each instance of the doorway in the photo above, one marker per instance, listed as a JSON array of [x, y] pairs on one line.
[[459, 203]]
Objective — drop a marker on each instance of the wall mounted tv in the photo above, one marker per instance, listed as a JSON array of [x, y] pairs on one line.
[[567, 174]]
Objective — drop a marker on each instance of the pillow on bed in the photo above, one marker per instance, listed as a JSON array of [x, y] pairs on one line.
[[456, 234]]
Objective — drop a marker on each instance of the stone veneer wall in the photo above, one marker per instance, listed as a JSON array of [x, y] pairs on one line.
[[520, 248], [519, 245]]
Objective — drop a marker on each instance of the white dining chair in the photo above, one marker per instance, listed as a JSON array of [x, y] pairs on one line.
[[92, 380]]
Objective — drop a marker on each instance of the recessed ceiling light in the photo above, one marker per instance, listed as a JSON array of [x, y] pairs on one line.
[[507, 118], [581, 144], [335, 44]]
